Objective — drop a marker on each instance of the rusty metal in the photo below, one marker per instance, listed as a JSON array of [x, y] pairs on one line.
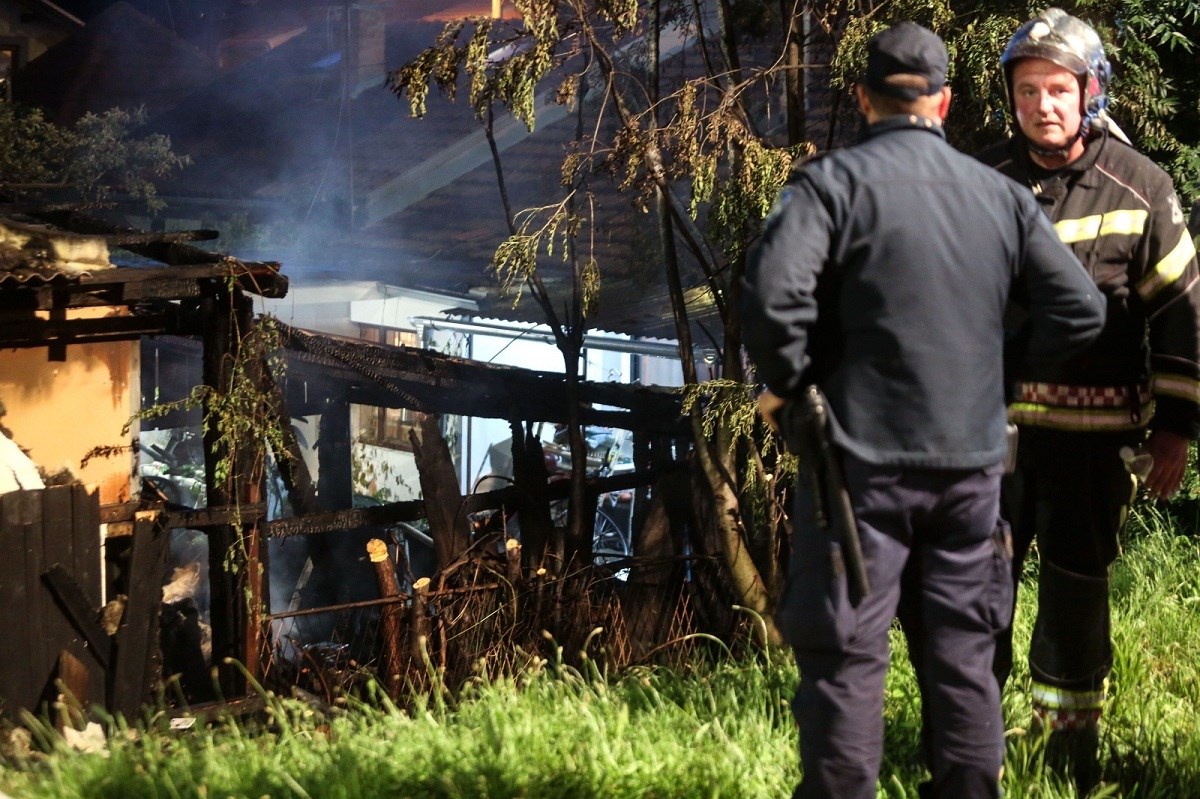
[[360, 604]]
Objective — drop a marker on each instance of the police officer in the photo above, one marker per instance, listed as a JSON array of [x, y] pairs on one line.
[[882, 277], [1136, 386]]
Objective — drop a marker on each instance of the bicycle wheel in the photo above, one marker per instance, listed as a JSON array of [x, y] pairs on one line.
[[608, 539]]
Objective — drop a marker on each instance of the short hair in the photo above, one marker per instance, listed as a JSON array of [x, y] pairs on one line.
[[886, 105]]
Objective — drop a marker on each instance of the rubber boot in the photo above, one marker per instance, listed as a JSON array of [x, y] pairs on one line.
[[1075, 753]]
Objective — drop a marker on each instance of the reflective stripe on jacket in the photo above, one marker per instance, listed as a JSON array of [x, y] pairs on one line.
[[1119, 214]]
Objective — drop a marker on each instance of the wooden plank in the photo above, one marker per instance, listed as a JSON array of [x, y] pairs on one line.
[[70, 599], [74, 685], [16, 683], [431, 382], [335, 521], [45, 332], [205, 518], [414, 509], [192, 272], [166, 289], [41, 656], [136, 641], [118, 512], [85, 514], [58, 546]]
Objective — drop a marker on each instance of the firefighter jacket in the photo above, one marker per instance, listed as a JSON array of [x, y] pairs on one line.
[[883, 275], [1119, 213]]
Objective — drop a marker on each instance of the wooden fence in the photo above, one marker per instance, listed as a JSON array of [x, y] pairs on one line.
[[49, 572]]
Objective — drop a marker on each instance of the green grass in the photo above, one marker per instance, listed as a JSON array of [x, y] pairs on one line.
[[719, 729]]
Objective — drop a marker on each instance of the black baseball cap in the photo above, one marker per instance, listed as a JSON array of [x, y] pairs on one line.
[[906, 61]]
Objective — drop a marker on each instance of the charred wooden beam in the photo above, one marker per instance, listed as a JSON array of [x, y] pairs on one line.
[[217, 268], [126, 237], [431, 382], [341, 606], [136, 643], [337, 521], [225, 313], [292, 468], [79, 612], [166, 237], [38, 332], [170, 248], [212, 711], [414, 509], [335, 485]]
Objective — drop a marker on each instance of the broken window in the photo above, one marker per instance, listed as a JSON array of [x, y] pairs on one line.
[[388, 427]]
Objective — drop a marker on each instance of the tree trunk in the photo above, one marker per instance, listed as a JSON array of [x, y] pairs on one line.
[[716, 461], [439, 488]]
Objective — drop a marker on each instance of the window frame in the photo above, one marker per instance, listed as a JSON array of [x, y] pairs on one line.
[[388, 427]]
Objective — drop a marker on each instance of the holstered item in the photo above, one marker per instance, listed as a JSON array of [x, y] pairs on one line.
[[1071, 646], [1011, 437], [806, 430]]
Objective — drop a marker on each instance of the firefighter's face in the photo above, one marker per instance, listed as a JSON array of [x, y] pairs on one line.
[[1047, 101]]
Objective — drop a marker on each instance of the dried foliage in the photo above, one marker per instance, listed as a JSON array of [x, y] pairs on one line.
[[482, 625]]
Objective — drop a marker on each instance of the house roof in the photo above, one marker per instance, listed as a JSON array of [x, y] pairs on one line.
[[121, 58]]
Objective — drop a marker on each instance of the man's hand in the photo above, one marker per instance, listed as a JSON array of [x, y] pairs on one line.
[[769, 404], [1170, 451]]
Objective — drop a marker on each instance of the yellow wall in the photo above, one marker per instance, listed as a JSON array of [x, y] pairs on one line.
[[60, 411]]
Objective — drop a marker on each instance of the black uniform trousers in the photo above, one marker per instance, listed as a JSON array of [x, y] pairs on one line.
[[1071, 492], [936, 552]]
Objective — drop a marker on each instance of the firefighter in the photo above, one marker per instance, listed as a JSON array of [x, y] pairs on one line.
[[882, 278], [1134, 392]]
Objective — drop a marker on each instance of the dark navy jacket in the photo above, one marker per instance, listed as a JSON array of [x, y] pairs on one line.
[[883, 276]]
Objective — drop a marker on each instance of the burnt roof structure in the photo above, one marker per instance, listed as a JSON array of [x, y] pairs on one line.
[[163, 291], [305, 144]]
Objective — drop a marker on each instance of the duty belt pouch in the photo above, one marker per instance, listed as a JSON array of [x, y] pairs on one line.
[[1011, 436]]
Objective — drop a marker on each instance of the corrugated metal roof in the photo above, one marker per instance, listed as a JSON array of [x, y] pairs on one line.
[[33, 254], [37, 276]]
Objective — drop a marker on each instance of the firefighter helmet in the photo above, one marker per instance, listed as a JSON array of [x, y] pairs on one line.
[[1056, 36]]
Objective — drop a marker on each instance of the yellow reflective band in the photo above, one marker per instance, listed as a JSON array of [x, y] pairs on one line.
[[1048, 696], [1114, 223], [1169, 269], [1038, 415], [1177, 386]]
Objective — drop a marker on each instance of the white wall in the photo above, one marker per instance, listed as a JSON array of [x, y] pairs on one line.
[[479, 434]]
